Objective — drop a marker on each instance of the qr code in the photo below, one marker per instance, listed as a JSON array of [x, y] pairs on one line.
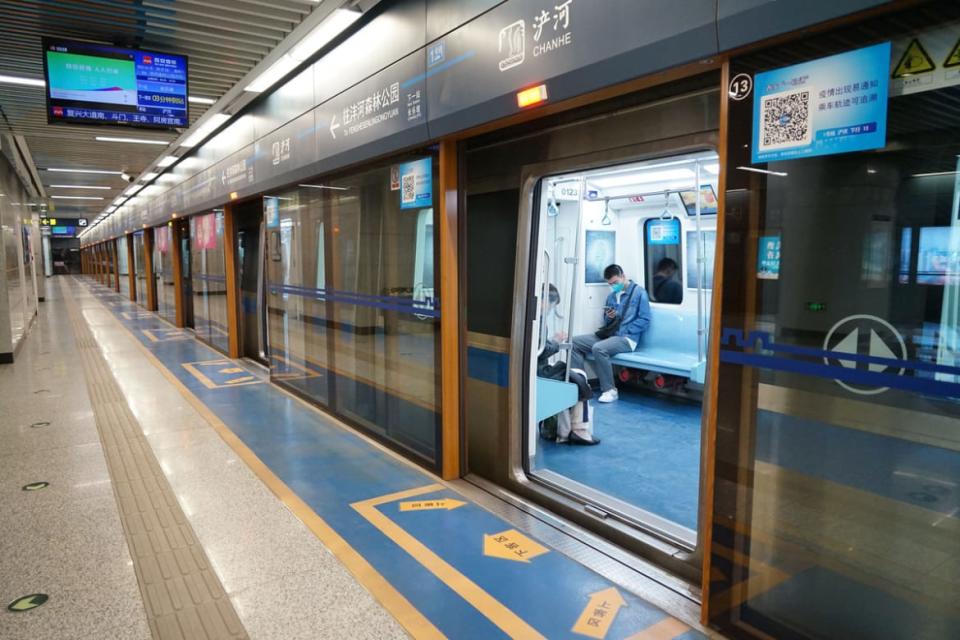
[[785, 120], [408, 188]]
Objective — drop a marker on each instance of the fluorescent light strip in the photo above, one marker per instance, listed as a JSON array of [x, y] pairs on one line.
[[204, 130], [147, 177], [77, 186], [331, 27], [132, 140], [101, 171], [133, 190], [782, 174], [934, 173], [76, 197], [167, 161], [30, 82], [200, 100], [323, 186]]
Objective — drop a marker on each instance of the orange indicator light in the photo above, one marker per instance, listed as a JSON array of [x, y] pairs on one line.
[[532, 96]]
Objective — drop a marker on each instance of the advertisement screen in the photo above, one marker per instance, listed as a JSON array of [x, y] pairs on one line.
[[92, 83]]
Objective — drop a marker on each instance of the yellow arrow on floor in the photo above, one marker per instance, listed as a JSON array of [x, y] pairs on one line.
[[239, 380], [599, 614], [512, 545], [232, 370], [427, 505]]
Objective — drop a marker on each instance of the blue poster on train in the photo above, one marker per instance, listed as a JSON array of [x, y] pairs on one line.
[[768, 258], [416, 184], [832, 105], [663, 231], [271, 211]]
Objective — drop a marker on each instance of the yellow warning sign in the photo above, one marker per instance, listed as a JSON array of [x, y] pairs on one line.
[[512, 545], [953, 58], [913, 61], [598, 616]]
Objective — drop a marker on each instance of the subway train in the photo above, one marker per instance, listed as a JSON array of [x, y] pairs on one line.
[[787, 444]]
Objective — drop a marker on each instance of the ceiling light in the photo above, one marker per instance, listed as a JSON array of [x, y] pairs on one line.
[[782, 174], [200, 100], [31, 82], [323, 186], [76, 186], [167, 161], [147, 177], [132, 140], [109, 173], [205, 129], [76, 197], [935, 173], [276, 72], [641, 177], [332, 26]]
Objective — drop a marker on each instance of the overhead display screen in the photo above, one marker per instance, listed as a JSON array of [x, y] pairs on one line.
[[100, 84]]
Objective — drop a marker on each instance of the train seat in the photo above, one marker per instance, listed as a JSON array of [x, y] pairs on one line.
[[554, 396], [669, 346]]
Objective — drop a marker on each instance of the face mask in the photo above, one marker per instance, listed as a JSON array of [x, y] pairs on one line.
[[617, 288]]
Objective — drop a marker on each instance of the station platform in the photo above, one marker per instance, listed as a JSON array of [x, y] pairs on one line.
[[157, 489]]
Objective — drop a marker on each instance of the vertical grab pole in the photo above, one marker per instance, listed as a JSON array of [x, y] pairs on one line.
[[700, 271], [574, 260]]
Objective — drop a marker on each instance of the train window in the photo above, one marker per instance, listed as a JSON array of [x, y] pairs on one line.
[[661, 246], [695, 266]]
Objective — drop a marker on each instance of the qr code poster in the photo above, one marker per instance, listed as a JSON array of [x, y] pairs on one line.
[[831, 105], [416, 184]]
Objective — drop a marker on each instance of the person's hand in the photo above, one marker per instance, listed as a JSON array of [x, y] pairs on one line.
[[611, 313], [560, 336]]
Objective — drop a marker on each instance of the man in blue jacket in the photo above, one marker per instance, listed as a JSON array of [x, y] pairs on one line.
[[626, 315]]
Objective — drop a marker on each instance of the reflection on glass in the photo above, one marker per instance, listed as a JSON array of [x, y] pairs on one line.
[[124, 269], [352, 318], [139, 269], [163, 272], [209, 278]]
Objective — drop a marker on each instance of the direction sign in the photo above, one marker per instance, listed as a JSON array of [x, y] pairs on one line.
[[865, 335], [26, 603]]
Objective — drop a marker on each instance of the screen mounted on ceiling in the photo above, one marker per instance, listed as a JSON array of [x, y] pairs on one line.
[[100, 84]]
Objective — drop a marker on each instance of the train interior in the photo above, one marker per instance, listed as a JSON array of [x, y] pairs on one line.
[[645, 217]]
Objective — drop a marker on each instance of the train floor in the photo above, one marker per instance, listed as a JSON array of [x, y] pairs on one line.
[[648, 457], [189, 497]]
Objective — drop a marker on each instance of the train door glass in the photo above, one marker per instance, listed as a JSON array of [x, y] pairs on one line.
[[124, 268], [615, 417], [208, 268], [163, 272], [186, 278], [250, 258], [139, 268]]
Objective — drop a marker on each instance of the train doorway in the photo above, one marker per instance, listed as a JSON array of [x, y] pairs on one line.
[[250, 240], [605, 217], [186, 275]]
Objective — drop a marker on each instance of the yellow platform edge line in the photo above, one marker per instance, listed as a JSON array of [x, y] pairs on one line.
[[495, 611], [415, 623]]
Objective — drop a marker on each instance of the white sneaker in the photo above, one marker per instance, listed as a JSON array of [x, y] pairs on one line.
[[609, 396]]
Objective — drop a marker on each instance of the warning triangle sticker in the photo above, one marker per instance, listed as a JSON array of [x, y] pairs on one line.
[[953, 59], [913, 61]]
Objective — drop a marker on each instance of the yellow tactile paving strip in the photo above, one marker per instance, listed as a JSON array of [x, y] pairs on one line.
[[182, 596]]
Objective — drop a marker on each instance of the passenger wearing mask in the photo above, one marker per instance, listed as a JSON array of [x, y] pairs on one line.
[[626, 315], [665, 286]]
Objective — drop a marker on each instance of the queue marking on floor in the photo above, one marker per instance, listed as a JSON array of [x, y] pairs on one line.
[[427, 505], [223, 368], [495, 611], [512, 545], [599, 614], [666, 629]]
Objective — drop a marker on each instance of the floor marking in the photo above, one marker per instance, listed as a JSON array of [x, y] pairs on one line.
[[418, 625], [599, 614], [426, 505], [221, 365], [26, 603], [35, 486], [666, 629], [509, 622], [512, 545], [167, 335]]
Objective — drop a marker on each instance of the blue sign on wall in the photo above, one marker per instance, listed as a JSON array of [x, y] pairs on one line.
[[831, 105], [271, 210], [663, 231], [768, 258], [416, 184]]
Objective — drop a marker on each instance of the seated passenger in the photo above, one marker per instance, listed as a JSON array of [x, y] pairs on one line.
[[665, 287], [626, 315]]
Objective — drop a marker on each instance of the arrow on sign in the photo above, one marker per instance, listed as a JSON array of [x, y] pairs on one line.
[[599, 614], [427, 505], [334, 125], [26, 603], [512, 545]]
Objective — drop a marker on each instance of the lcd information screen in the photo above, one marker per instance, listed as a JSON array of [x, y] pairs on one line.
[[93, 83]]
